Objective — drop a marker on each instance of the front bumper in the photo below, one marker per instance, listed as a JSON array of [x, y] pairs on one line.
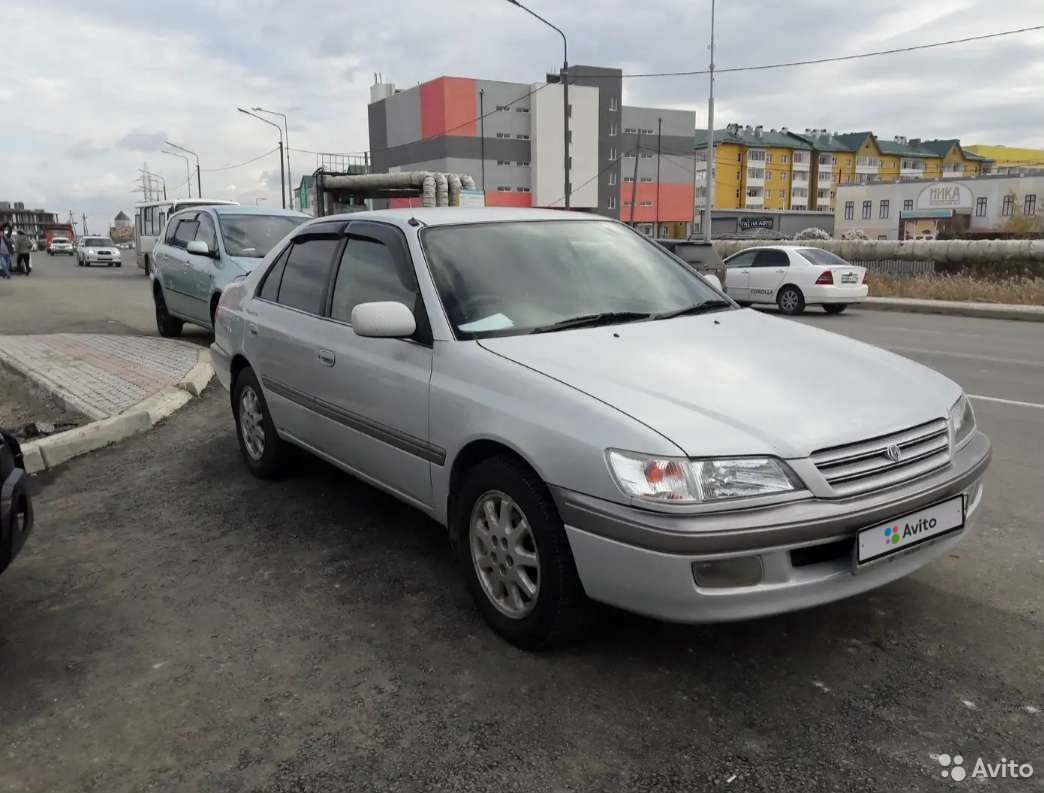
[[642, 561]]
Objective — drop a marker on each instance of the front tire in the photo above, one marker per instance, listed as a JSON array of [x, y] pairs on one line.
[[169, 327], [259, 443], [516, 557], [790, 300], [834, 308]]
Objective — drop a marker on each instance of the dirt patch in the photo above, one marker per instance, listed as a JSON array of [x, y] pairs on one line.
[[29, 410]]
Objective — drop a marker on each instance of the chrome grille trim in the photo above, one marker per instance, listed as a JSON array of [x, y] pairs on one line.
[[865, 465]]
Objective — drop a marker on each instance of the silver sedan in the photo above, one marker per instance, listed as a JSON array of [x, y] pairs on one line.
[[593, 421]]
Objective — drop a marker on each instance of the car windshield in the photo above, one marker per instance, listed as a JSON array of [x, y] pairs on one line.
[[820, 256], [98, 242], [502, 279], [254, 235]]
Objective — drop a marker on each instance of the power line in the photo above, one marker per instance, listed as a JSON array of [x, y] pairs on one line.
[[241, 164], [812, 61]]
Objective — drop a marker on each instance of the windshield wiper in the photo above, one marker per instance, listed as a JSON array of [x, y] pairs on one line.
[[699, 308], [591, 320]]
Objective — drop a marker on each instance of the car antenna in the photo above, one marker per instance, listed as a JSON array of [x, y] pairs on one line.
[[414, 222]]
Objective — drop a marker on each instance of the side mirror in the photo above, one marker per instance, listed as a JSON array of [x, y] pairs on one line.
[[198, 247], [713, 281], [383, 320]]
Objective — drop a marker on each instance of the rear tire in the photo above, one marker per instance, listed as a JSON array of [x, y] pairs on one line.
[[259, 443], [834, 308], [790, 300], [169, 327], [519, 567]]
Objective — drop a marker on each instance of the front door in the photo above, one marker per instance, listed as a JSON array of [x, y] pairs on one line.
[[199, 271], [737, 275], [767, 275], [171, 263], [377, 389]]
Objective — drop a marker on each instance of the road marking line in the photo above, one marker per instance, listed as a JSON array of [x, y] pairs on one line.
[[1008, 401], [969, 356]]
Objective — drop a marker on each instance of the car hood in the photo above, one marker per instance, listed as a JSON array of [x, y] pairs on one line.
[[739, 382]]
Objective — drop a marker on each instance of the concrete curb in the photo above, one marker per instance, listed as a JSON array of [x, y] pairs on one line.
[[55, 449], [955, 309]]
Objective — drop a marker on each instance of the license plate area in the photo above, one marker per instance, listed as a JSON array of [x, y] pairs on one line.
[[848, 278], [910, 530]]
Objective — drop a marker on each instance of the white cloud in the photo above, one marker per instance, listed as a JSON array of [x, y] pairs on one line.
[[95, 98]]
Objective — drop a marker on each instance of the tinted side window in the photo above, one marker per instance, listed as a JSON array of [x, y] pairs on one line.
[[171, 228], [306, 274], [270, 287], [741, 260], [771, 259], [369, 272], [206, 231]]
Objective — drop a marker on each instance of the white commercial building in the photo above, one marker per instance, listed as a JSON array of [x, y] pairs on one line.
[[922, 210]]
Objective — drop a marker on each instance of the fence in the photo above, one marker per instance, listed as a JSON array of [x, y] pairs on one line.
[[897, 267]]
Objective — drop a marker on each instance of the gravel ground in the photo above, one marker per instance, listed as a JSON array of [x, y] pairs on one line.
[[174, 624], [22, 402]]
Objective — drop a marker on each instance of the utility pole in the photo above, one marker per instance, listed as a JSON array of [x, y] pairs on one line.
[[482, 139], [286, 130], [710, 140], [83, 216], [282, 172], [634, 180], [659, 134]]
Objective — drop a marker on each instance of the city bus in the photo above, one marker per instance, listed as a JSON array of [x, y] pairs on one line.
[[150, 218]]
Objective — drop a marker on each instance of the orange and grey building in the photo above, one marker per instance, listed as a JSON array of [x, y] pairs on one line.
[[629, 163]]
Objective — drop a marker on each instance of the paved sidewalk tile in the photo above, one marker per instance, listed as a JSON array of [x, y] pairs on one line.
[[105, 374]]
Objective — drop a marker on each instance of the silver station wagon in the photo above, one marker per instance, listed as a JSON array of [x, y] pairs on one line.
[[592, 420]]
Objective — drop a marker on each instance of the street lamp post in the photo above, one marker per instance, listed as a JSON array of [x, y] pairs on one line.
[[709, 170], [199, 182], [282, 172], [188, 174], [565, 95], [286, 133]]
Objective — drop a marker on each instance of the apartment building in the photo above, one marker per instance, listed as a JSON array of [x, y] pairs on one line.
[[1010, 159], [630, 163]]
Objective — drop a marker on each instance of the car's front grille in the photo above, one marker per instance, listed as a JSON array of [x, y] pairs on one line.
[[885, 461]]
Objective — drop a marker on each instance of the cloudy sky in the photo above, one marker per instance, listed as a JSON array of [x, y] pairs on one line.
[[91, 91]]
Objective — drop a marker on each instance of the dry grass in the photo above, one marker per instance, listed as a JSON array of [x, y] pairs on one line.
[[1019, 291]]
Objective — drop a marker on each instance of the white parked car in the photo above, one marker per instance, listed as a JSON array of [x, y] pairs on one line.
[[97, 250], [794, 276]]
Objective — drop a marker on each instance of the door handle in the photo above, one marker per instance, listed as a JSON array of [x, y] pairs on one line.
[[780, 271], [252, 329], [327, 358]]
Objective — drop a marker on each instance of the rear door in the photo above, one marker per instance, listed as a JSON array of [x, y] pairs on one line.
[[767, 274], [286, 336], [737, 275]]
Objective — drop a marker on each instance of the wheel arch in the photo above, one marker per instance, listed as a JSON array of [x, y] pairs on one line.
[[468, 457]]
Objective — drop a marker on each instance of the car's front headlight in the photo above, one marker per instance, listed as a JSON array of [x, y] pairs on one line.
[[962, 421], [677, 480]]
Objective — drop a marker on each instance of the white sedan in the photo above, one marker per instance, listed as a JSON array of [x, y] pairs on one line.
[[794, 276]]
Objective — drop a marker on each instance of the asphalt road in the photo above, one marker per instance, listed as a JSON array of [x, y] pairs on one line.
[[61, 297], [175, 624]]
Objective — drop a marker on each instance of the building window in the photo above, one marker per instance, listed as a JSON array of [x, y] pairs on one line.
[[645, 179], [768, 176], [612, 128], [626, 204], [503, 188], [521, 109], [849, 207], [885, 209], [503, 162], [645, 203], [782, 193], [613, 104], [783, 158], [503, 134], [612, 153], [628, 179], [1008, 207], [522, 137], [908, 205], [521, 189], [768, 157], [868, 209], [646, 155], [1029, 205], [503, 107], [612, 202], [980, 206]]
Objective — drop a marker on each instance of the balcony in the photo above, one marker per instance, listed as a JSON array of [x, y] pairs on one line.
[[867, 165], [756, 177], [754, 198], [911, 169], [953, 172], [801, 162], [825, 179]]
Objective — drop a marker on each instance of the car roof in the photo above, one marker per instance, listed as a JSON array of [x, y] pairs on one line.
[[449, 216], [236, 209]]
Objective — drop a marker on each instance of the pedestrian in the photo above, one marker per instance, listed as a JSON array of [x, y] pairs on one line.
[[23, 249], [6, 251]]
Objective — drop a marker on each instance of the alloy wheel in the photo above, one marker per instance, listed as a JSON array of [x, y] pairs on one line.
[[251, 423], [504, 554], [789, 301]]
